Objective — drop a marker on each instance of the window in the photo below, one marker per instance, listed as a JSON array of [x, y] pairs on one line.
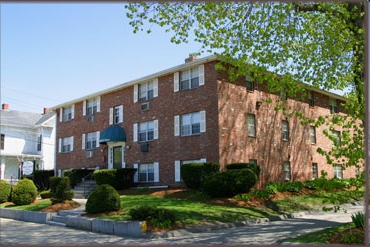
[[249, 83], [188, 79], [333, 105], [178, 164], [2, 141], [66, 144], [287, 175], [251, 125], [315, 173], [146, 131], [146, 173], [310, 98], [285, 130], [283, 94], [338, 173], [146, 91], [252, 161], [91, 106], [190, 124], [116, 115], [90, 140], [313, 134], [67, 113], [336, 139], [39, 142]]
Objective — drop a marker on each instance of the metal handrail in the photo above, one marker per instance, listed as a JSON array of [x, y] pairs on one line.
[[91, 175]]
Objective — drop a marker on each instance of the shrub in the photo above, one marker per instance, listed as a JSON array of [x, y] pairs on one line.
[[117, 178], [158, 217], [24, 193], [359, 219], [45, 194], [193, 174], [293, 186], [254, 167], [229, 183], [5, 191], [41, 179], [60, 189], [103, 198]]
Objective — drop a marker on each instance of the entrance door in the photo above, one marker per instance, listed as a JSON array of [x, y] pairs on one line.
[[117, 157]]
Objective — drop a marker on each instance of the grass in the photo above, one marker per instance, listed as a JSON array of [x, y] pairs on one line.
[[33, 207]]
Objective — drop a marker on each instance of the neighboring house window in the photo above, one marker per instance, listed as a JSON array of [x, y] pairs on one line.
[[315, 172], [66, 144], [313, 134], [283, 94], [251, 125], [67, 113], [90, 140], [146, 131], [190, 124], [178, 165], [333, 106], [338, 173], [146, 91], [310, 98], [116, 115], [336, 140], [285, 130], [147, 172], [249, 83], [2, 141], [39, 143], [287, 175], [91, 106], [188, 79]]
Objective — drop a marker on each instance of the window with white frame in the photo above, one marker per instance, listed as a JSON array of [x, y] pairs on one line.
[[313, 134], [190, 124], [333, 105], [90, 140], [146, 91], [249, 83], [67, 113], [146, 131], [2, 141], [39, 142], [66, 144], [251, 125], [146, 172], [285, 130], [287, 173], [338, 172], [91, 106], [315, 172], [336, 138], [310, 98], [188, 79], [116, 115]]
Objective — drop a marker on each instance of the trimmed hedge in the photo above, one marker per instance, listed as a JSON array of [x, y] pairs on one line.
[[60, 189], [229, 183], [103, 198], [122, 178], [254, 167], [5, 191], [193, 174], [24, 193]]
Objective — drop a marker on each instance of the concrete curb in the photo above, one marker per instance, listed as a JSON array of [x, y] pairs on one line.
[[30, 216]]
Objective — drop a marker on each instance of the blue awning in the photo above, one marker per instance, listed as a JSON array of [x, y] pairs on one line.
[[113, 133]]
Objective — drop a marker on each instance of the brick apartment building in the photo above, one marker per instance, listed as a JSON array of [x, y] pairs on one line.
[[189, 113]]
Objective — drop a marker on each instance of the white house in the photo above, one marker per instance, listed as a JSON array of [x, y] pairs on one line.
[[27, 142]]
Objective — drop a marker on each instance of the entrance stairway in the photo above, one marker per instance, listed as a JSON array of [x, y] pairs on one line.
[[61, 218], [83, 189]]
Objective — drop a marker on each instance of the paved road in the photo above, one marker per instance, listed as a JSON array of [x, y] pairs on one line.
[[273, 232]]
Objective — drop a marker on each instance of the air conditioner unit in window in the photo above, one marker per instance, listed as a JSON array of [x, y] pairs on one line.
[[90, 119], [145, 106], [144, 147], [89, 154]]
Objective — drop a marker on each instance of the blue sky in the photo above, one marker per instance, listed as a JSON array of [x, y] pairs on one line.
[[55, 52]]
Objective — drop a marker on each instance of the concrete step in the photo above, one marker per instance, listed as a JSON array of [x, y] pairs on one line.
[[71, 212], [58, 218], [50, 222]]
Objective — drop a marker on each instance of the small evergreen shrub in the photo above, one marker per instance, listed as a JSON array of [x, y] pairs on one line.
[[60, 189], [193, 174], [229, 183], [24, 193], [158, 217], [5, 191], [103, 198], [45, 194]]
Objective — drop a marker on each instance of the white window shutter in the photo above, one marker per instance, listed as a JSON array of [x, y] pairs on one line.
[[120, 109], [201, 74], [155, 87], [155, 129], [97, 138], [73, 111], [61, 115], [176, 82], [177, 125], [83, 141], [177, 171], [111, 115], [72, 143], [156, 172], [84, 108], [136, 93], [135, 132], [203, 121], [60, 145], [136, 175], [98, 103]]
